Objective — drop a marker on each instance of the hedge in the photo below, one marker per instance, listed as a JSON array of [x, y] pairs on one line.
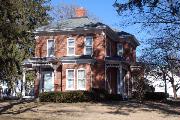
[[65, 97], [155, 96], [78, 96]]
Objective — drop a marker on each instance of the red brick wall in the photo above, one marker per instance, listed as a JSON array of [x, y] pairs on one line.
[[61, 45], [112, 79], [111, 48], [128, 49], [99, 66], [76, 67]]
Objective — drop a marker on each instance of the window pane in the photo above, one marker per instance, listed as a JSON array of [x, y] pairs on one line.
[[88, 41], [71, 42], [70, 74], [119, 46], [50, 52], [50, 43], [71, 51], [88, 50], [81, 74], [70, 83], [81, 83], [119, 49]]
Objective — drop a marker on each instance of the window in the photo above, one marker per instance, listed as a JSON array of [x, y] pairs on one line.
[[50, 47], [71, 46], [119, 49], [81, 80], [88, 45], [70, 79]]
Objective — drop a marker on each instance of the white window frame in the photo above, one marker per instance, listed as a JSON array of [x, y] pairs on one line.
[[85, 45], [122, 48], [47, 55], [71, 46], [67, 80], [78, 79]]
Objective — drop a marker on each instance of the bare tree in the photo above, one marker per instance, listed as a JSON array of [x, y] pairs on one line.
[[65, 11], [161, 20]]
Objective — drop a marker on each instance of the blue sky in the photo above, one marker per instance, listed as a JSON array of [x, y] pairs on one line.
[[104, 10]]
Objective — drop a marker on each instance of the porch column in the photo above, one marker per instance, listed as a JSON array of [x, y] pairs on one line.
[[121, 84], [24, 81], [105, 76], [55, 81], [38, 83]]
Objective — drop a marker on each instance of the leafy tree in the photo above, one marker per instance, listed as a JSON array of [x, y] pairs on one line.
[[161, 20], [18, 19]]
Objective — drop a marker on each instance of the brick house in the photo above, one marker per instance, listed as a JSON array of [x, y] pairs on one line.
[[81, 54]]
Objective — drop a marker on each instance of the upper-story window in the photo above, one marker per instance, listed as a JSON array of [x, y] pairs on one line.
[[119, 49], [71, 46], [88, 48], [50, 48]]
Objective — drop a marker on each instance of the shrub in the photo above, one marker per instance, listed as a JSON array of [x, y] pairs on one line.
[[155, 96], [96, 95], [114, 97], [65, 97], [99, 94]]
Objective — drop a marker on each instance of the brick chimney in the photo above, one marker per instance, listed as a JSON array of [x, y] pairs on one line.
[[80, 12]]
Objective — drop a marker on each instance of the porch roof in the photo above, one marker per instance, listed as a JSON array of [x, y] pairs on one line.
[[77, 59], [52, 61]]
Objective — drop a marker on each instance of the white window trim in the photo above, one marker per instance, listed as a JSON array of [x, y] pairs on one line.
[[78, 79], [68, 46], [47, 47], [67, 80], [85, 45]]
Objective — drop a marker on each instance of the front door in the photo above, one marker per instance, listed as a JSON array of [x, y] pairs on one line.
[[48, 81]]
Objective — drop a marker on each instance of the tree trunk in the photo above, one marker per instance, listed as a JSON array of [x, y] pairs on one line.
[[174, 90], [165, 83]]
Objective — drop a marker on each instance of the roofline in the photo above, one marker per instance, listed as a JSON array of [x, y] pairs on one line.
[[70, 29], [64, 31]]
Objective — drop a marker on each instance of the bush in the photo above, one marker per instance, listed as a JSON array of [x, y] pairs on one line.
[[155, 96], [65, 97], [96, 95], [114, 97], [99, 94]]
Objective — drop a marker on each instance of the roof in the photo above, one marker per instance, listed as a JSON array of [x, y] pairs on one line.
[[76, 57], [121, 33], [125, 34], [72, 23], [82, 23]]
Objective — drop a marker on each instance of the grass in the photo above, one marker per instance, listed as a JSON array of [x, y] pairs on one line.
[[121, 110]]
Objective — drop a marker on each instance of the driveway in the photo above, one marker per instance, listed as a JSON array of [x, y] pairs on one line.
[[122, 110]]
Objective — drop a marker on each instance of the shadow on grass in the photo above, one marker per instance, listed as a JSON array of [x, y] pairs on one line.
[[128, 107], [4, 109]]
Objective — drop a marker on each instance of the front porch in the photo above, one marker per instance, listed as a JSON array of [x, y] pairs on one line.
[[118, 78], [44, 79]]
